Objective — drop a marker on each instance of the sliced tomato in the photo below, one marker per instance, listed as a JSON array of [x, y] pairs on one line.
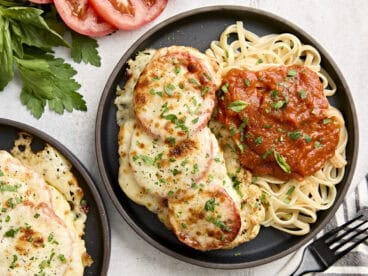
[[128, 14], [81, 17], [41, 1]]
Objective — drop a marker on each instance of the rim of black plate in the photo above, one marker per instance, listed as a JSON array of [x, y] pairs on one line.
[[77, 164], [102, 167]]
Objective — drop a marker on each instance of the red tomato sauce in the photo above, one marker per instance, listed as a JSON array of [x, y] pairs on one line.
[[277, 118]]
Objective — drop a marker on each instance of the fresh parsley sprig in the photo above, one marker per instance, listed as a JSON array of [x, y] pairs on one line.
[[26, 42]]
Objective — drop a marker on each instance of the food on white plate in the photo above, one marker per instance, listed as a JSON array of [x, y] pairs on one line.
[[128, 15], [79, 16], [41, 229], [276, 151]]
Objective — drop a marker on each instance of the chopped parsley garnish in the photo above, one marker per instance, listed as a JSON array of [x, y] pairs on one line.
[[176, 172], [183, 225], [259, 61], [291, 73], [207, 76], [326, 121], [281, 162], [1, 173], [9, 188], [247, 82], [237, 106], [195, 120], [194, 81], [254, 179], [210, 205], [290, 190], [10, 203], [267, 153], [220, 224], [37, 215], [169, 89], [258, 140], [179, 123], [62, 259], [317, 145], [195, 169], [295, 135], [171, 140], [13, 263], [204, 90], [307, 138], [277, 105], [225, 88], [170, 193], [274, 93], [147, 159], [302, 94], [177, 70], [7, 218], [11, 233]]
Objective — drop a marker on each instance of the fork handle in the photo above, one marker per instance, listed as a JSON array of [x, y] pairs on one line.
[[308, 264]]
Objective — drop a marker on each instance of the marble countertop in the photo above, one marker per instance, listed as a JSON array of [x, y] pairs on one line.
[[340, 26]]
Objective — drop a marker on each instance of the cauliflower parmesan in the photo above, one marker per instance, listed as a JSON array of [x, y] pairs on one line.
[[42, 214], [170, 160]]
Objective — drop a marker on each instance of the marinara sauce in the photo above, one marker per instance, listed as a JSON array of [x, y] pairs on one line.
[[277, 117]]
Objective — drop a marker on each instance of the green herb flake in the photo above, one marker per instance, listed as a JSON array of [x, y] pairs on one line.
[[177, 70], [171, 140], [7, 218], [291, 73], [277, 105], [169, 89], [237, 106], [204, 90], [307, 138], [183, 225], [218, 223], [170, 193], [317, 145], [273, 94], [195, 169], [281, 162], [247, 82], [210, 205], [290, 190], [267, 153], [1, 173], [194, 81], [326, 121], [225, 87], [62, 259], [302, 94], [14, 261], [37, 215], [259, 61], [295, 135], [195, 120], [258, 140]]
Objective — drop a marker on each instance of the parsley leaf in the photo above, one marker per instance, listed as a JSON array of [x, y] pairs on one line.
[[49, 81], [6, 55], [84, 49], [237, 106], [281, 162]]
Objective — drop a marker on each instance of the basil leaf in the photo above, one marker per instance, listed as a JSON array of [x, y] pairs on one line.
[[281, 162], [237, 106]]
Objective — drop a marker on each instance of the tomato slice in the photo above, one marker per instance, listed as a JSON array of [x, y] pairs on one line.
[[128, 14], [81, 17]]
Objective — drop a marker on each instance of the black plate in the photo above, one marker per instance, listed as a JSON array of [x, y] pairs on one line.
[[198, 28], [97, 231]]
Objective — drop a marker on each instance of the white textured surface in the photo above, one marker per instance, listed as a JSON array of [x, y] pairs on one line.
[[340, 26]]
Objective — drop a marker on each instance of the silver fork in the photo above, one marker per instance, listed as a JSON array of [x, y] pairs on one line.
[[325, 251]]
